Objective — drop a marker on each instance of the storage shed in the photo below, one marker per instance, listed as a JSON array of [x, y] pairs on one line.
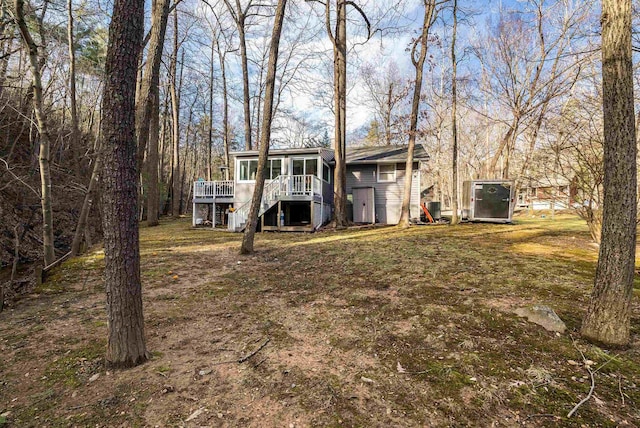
[[488, 200]]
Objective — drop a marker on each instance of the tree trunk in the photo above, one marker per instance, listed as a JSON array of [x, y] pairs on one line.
[[607, 319], [175, 115], [454, 113], [73, 140], [225, 110], [86, 207], [210, 140], [245, 84], [151, 77], [126, 342], [339, 42], [429, 6], [153, 195], [43, 130], [252, 221], [506, 141]]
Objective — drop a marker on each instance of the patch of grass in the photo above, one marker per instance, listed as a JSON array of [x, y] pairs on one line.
[[71, 368], [339, 305], [163, 369]]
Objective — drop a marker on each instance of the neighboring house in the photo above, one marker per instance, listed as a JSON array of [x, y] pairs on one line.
[[375, 183], [546, 193], [298, 192]]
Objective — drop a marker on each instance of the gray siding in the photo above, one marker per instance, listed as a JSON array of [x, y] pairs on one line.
[[388, 196]]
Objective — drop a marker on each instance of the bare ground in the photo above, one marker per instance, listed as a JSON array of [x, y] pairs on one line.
[[369, 327]]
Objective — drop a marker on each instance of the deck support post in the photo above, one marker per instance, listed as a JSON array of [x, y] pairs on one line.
[[313, 207], [193, 216], [279, 223]]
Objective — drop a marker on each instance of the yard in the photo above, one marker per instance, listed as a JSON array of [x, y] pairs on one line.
[[364, 327]]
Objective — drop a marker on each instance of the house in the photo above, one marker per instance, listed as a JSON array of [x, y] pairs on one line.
[[546, 193], [298, 192], [375, 183]]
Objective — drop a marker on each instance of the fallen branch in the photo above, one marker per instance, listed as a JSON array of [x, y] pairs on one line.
[[593, 382], [243, 359], [56, 263]]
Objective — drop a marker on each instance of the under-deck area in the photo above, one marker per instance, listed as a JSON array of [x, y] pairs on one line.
[[290, 216]]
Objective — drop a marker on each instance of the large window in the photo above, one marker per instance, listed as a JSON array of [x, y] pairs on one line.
[[274, 168], [305, 166], [386, 173], [248, 169]]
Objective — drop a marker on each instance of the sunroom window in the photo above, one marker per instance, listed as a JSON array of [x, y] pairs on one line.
[[248, 169]]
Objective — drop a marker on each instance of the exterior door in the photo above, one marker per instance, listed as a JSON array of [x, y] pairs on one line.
[[364, 205]]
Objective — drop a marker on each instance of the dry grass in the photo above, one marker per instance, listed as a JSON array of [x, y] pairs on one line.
[[343, 312]]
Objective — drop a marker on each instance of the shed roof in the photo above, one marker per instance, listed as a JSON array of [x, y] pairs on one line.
[[384, 154]]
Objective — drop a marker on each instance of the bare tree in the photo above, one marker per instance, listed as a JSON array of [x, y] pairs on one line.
[[608, 317], [529, 65], [454, 114], [386, 92], [239, 14], [418, 57], [175, 121], [252, 221], [73, 141], [148, 111], [36, 63], [126, 346], [338, 38]]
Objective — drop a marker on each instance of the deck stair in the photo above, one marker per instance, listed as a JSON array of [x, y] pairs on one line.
[[283, 186]]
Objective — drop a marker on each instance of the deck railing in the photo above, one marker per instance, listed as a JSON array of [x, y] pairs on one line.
[[213, 189], [278, 188]]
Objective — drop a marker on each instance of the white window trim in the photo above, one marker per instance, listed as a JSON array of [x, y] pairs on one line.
[[281, 166], [395, 174], [322, 173], [281, 159], [238, 169], [305, 159]]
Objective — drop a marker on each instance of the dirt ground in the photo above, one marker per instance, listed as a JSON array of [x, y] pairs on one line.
[[370, 327]]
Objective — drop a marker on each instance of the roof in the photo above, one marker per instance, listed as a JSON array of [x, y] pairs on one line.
[[354, 155], [327, 153], [384, 154]]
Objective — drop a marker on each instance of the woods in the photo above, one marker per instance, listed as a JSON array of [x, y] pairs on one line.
[[108, 121], [319, 213]]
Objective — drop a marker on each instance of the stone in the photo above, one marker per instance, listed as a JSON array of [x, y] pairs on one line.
[[543, 316]]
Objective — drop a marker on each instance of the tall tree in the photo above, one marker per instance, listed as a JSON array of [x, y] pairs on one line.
[[386, 92], [35, 66], [338, 38], [608, 317], [148, 111], [265, 135], [126, 345], [73, 141], [175, 121], [418, 57], [454, 113], [239, 14]]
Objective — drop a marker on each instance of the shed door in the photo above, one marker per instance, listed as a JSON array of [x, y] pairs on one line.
[[492, 200], [364, 205]]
